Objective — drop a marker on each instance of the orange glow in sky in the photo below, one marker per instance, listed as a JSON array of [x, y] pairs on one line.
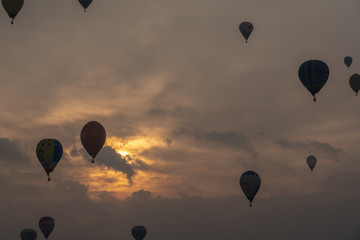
[[104, 179]]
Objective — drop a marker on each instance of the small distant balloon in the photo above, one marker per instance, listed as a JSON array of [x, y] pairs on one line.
[[354, 82], [46, 225], [93, 137], [28, 234], [250, 183], [348, 61], [12, 7], [85, 3], [49, 153], [246, 29], [311, 162], [138, 232], [313, 74]]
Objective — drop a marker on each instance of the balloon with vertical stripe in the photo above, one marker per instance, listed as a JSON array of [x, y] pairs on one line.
[[49, 153]]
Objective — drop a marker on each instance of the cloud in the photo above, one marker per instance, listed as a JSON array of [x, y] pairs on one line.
[[175, 112], [9, 152], [140, 195], [168, 141], [110, 158], [277, 217], [312, 147], [231, 139]]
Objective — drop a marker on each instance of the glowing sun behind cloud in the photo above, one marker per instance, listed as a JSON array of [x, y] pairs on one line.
[[123, 153], [116, 183]]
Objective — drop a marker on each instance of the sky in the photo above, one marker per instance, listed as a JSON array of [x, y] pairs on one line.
[[188, 107]]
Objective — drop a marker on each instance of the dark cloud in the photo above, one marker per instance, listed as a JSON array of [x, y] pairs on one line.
[[312, 147], [182, 130], [157, 112], [168, 141], [232, 139], [9, 152], [110, 158], [278, 217], [175, 112], [74, 152], [140, 195], [170, 155], [235, 140]]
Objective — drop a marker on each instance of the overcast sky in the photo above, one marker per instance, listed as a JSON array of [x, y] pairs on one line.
[[187, 107]]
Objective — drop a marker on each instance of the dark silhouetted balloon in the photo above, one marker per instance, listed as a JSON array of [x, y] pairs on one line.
[[93, 137], [49, 153], [28, 234], [246, 29], [250, 183], [12, 7], [313, 74], [85, 3], [354, 82], [138, 232], [46, 225], [348, 61], [311, 162]]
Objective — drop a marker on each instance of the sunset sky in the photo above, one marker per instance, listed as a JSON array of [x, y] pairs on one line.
[[188, 107]]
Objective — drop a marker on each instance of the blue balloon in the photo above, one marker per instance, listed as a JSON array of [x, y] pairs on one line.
[[348, 61], [85, 3], [138, 232], [28, 234]]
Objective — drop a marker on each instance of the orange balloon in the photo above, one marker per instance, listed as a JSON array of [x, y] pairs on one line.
[[93, 137]]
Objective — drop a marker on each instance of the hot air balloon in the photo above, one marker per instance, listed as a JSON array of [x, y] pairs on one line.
[[348, 61], [250, 183], [313, 75], [138, 232], [49, 153], [246, 28], [311, 162], [85, 3], [93, 137], [354, 82], [12, 7], [46, 225], [28, 234]]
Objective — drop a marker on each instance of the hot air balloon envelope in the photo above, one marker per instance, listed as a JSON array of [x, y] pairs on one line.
[[46, 225], [138, 232], [85, 3], [28, 234], [12, 7], [311, 161], [93, 137], [250, 183], [49, 153], [246, 29], [313, 74], [354, 82], [348, 61]]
